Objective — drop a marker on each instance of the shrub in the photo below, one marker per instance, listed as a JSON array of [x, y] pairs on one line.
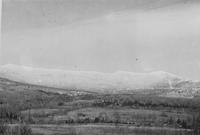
[[3, 128], [18, 130], [60, 103]]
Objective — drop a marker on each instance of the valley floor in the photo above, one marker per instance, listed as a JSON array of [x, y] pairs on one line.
[[37, 110]]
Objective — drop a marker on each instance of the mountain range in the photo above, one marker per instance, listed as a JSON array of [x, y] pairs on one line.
[[91, 81]]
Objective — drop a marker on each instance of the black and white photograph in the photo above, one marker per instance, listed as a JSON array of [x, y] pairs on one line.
[[100, 67]]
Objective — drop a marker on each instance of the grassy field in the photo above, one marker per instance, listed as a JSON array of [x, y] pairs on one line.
[[105, 129]]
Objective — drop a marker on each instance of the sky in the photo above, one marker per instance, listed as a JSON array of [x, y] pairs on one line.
[[103, 35], [0, 29]]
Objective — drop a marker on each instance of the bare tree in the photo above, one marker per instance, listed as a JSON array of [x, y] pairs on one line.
[[196, 124]]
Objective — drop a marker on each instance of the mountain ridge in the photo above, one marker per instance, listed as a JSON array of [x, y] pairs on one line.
[[61, 81], [117, 80]]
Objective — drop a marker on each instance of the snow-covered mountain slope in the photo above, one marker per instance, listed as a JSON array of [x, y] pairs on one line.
[[90, 81]]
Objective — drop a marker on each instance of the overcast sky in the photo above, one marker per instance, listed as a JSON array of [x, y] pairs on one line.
[[103, 35]]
